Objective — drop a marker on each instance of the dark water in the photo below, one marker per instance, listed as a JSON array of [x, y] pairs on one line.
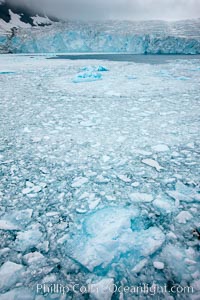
[[148, 59]]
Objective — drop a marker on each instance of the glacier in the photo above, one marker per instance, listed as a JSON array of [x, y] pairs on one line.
[[99, 186], [148, 37]]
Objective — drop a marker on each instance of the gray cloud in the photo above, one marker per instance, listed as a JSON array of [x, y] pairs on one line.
[[115, 9]]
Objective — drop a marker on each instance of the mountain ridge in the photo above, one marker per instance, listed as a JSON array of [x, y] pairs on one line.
[[19, 17]]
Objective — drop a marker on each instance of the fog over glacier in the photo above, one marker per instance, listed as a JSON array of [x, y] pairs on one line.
[[115, 9]]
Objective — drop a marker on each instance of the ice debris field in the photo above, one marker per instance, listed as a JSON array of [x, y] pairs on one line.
[[99, 166]]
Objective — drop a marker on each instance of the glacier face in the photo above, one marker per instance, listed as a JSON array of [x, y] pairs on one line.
[[149, 37]]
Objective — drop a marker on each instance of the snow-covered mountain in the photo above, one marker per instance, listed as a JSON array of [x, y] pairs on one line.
[[11, 16]]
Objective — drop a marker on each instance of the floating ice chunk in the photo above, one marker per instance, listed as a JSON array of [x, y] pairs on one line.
[[110, 198], [29, 184], [10, 274], [52, 213], [49, 279], [34, 258], [102, 289], [135, 184], [37, 189], [30, 187], [171, 236], [87, 77], [79, 181], [26, 191], [105, 158], [124, 178], [158, 265], [147, 242], [18, 294], [4, 251], [152, 163], [84, 195], [140, 266], [81, 210], [94, 68], [184, 193], [174, 258], [107, 235], [183, 217], [16, 220], [164, 204], [101, 179], [7, 225], [160, 148], [141, 197], [94, 203], [27, 239], [102, 69]]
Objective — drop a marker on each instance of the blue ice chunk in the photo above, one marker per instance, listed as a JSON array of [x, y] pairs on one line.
[[87, 77], [94, 68], [102, 69], [28, 239], [6, 72], [110, 234]]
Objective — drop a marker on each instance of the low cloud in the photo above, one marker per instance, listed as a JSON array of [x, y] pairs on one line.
[[114, 9]]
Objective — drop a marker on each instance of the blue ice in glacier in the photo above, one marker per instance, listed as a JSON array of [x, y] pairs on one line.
[[110, 234], [150, 37]]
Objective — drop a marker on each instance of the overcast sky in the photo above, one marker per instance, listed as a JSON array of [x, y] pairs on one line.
[[116, 9]]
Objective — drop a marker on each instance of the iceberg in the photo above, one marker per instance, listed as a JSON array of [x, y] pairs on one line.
[[94, 68]]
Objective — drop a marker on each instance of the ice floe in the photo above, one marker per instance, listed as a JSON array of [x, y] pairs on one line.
[[108, 234], [183, 217], [152, 163], [10, 274], [102, 289], [141, 197]]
